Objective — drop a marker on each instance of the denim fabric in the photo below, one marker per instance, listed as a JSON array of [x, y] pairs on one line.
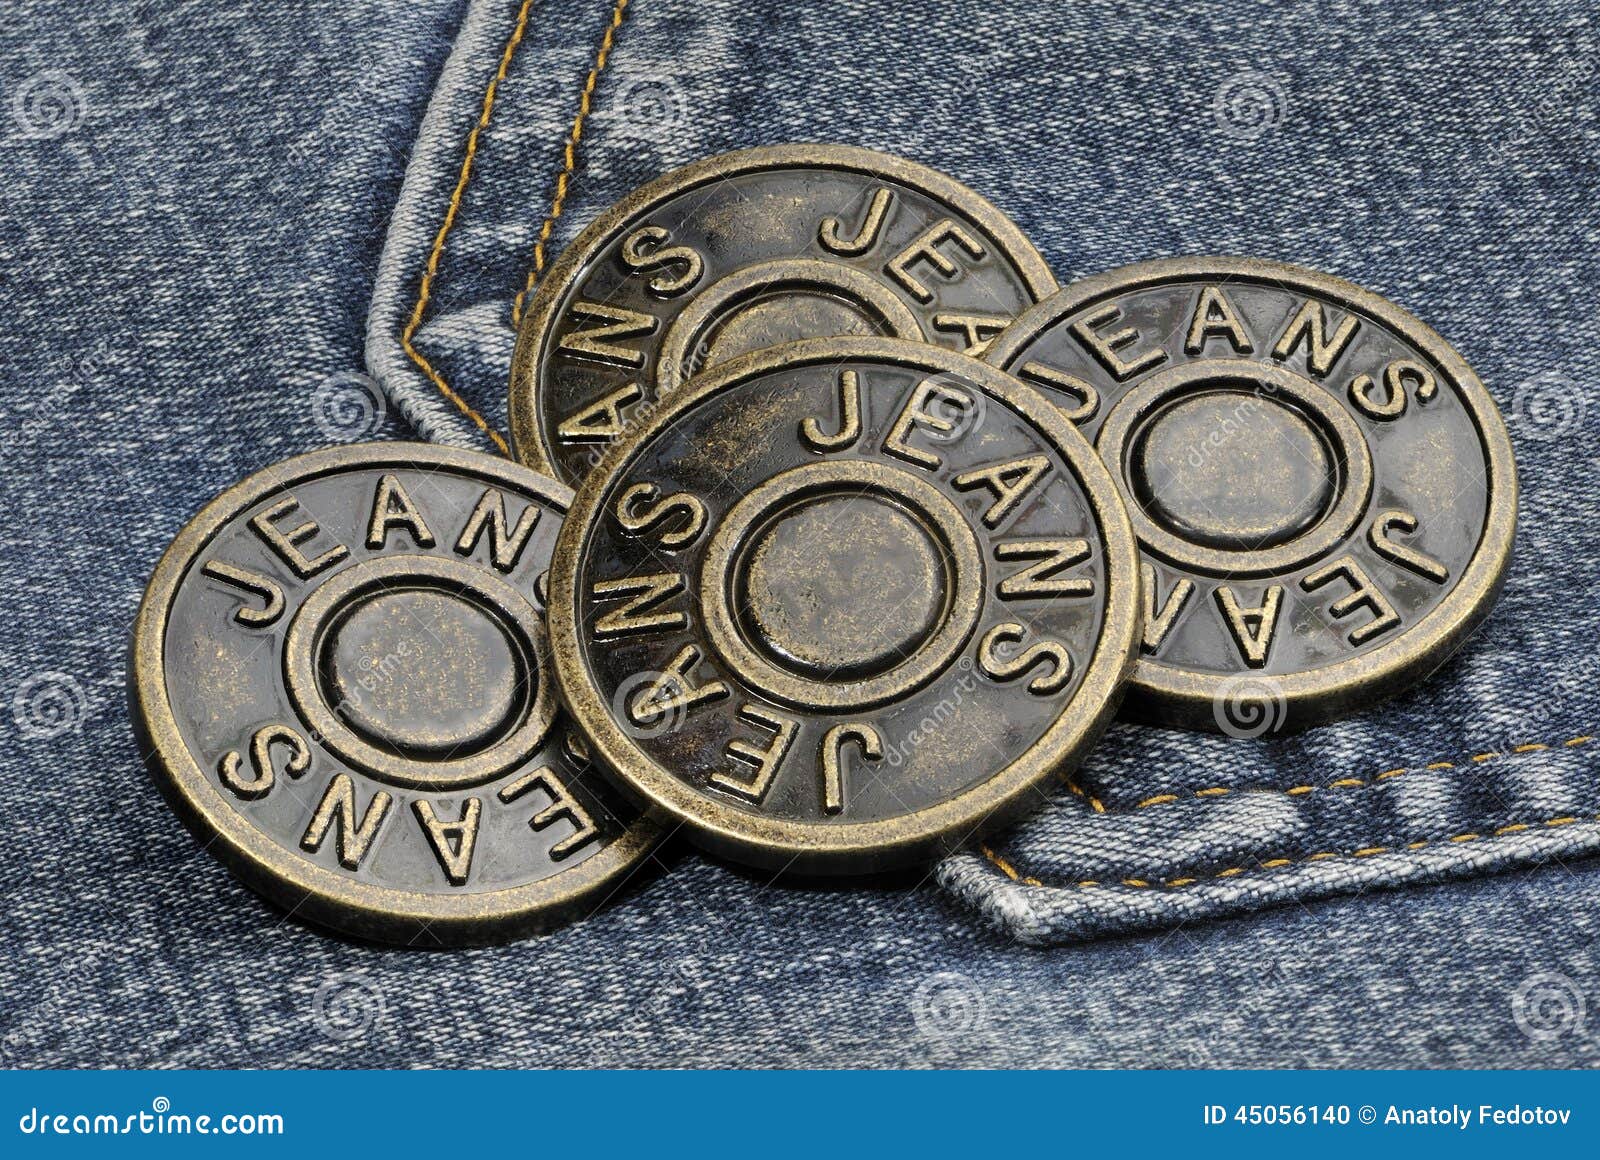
[[1445, 158], [200, 205]]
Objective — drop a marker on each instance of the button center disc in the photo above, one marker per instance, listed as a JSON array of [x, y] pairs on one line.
[[804, 601], [424, 673], [1233, 469]]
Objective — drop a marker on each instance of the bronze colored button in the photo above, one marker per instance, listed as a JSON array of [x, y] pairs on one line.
[[750, 250], [845, 603], [1323, 491], [340, 676]]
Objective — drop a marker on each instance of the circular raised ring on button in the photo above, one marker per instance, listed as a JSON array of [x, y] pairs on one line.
[[1237, 468], [813, 627], [775, 302], [461, 697]]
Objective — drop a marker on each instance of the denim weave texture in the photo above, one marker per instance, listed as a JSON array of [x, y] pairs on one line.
[[232, 234]]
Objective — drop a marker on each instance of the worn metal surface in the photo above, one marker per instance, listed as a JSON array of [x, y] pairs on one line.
[[340, 677], [845, 603], [749, 250], [1323, 491]]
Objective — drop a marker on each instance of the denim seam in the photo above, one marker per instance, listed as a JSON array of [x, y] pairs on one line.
[[463, 179], [425, 284], [1011, 871], [569, 158], [1342, 783]]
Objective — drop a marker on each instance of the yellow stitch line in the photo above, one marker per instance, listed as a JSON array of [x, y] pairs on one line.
[[569, 158], [425, 287], [1367, 851], [1346, 782], [1005, 866], [1157, 800]]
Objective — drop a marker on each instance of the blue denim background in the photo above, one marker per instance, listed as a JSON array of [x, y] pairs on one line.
[[228, 205]]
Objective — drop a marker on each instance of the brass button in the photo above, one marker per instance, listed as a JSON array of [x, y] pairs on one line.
[[341, 677], [1323, 491], [844, 604], [745, 251]]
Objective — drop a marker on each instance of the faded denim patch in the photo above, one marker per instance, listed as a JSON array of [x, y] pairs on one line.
[[1444, 158]]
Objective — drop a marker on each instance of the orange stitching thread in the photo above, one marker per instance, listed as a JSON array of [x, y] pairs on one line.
[[1345, 782], [1010, 871], [569, 158], [425, 288]]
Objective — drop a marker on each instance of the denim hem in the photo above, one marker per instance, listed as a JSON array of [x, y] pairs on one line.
[[1040, 896], [1041, 914]]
